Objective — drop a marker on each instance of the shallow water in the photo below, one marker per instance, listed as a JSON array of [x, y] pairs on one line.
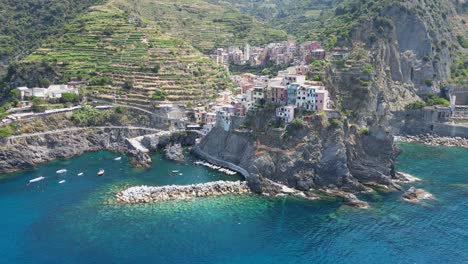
[[78, 222]]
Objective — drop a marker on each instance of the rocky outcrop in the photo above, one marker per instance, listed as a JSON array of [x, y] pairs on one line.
[[414, 195], [147, 194], [141, 159], [24, 152], [174, 152], [313, 157], [351, 200]]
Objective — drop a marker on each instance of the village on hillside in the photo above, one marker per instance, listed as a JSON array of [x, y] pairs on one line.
[[296, 89]]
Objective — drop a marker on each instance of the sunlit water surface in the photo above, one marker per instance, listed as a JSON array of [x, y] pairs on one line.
[[79, 222]]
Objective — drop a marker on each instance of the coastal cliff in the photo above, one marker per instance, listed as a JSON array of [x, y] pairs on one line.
[[314, 156]]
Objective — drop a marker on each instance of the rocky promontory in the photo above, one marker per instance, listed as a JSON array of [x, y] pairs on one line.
[[148, 194]]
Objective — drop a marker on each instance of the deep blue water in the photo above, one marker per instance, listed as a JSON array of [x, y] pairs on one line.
[[78, 222]]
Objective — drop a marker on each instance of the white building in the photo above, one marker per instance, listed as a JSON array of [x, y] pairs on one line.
[[286, 113], [53, 91]]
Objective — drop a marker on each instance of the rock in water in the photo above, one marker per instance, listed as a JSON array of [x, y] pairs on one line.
[[351, 200], [175, 152], [141, 159], [414, 195]]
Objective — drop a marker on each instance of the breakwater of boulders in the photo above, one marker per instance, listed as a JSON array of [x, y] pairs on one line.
[[149, 194], [435, 140]]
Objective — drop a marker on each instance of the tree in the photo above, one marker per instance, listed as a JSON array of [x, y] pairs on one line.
[[128, 84], [159, 95], [69, 98], [37, 101], [15, 93], [156, 68], [332, 41]]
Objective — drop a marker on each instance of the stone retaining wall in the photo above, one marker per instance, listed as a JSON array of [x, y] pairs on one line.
[[251, 180]]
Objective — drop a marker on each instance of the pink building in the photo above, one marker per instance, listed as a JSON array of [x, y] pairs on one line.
[[278, 94], [322, 100], [246, 86]]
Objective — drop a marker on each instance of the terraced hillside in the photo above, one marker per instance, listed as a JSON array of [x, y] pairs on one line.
[[206, 25], [120, 56]]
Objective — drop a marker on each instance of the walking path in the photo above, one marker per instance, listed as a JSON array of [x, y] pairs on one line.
[[83, 128]]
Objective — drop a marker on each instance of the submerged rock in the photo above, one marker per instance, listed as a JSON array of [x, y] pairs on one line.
[[351, 200], [414, 195]]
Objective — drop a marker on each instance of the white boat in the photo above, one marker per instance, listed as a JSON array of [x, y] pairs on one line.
[[62, 181], [118, 158], [101, 172], [80, 174], [61, 171], [37, 179], [181, 174], [175, 171]]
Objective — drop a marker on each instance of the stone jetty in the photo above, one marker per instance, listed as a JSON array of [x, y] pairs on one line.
[[149, 194], [434, 140]]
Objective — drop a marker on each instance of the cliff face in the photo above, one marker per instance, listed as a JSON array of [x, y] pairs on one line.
[[314, 156]]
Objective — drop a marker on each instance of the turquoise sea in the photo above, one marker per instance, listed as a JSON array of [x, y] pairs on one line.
[[78, 222]]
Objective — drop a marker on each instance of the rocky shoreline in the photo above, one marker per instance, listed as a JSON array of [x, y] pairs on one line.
[[148, 194], [433, 140]]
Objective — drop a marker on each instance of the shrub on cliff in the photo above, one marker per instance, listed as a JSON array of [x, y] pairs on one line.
[[364, 131], [415, 105], [436, 100], [6, 132], [88, 116], [297, 123]]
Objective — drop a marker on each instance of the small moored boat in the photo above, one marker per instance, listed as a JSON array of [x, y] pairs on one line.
[[62, 181], [175, 171], [118, 158], [61, 171], [37, 179], [101, 172], [80, 174]]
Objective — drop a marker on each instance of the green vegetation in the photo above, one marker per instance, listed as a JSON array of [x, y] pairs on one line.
[[364, 131], [159, 95], [204, 25], [463, 41], [69, 98], [436, 100], [297, 17], [26, 23], [430, 100], [368, 69], [415, 105], [88, 116], [297, 123], [5, 131], [108, 46]]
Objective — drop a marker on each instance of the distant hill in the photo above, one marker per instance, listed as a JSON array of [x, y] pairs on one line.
[[143, 51], [202, 24], [26, 23]]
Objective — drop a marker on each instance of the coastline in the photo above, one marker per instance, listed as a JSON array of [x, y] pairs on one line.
[[434, 140]]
